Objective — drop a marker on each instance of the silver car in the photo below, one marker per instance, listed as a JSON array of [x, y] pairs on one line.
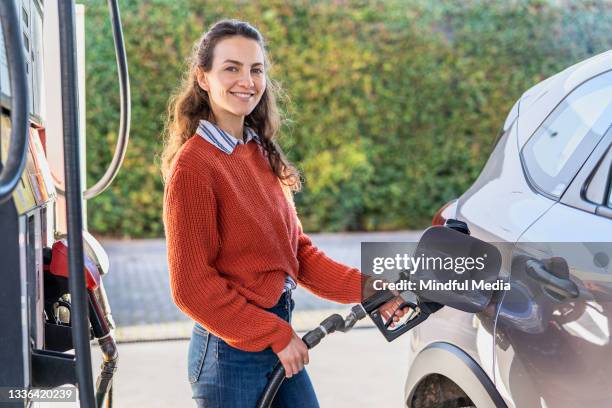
[[545, 196]]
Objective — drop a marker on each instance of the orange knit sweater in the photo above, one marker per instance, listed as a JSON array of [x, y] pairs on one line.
[[232, 237]]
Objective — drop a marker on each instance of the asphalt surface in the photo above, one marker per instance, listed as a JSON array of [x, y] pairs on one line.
[[356, 369]]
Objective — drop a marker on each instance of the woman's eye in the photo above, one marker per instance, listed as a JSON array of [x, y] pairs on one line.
[[231, 69], [257, 70]]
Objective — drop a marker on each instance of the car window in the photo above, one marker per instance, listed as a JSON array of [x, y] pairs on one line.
[[610, 190], [559, 147], [597, 189]]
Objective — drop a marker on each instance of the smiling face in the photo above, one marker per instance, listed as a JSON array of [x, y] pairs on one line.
[[236, 80]]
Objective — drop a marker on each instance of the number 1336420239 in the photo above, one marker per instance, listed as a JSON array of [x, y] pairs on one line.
[[14, 394]]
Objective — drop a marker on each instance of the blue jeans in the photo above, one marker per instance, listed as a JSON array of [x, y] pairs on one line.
[[222, 376]]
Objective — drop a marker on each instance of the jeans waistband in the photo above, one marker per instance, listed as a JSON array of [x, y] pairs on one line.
[[284, 297], [287, 291], [281, 308]]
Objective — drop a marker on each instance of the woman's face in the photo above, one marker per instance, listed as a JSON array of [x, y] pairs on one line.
[[237, 78]]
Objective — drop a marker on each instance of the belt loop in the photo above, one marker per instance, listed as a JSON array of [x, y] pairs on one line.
[[285, 296], [288, 300]]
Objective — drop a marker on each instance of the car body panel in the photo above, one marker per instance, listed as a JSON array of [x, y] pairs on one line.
[[452, 362], [502, 207], [561, 347], [473, 334], [450, 325]]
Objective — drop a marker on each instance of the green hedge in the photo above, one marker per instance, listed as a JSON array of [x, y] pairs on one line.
[[394, 105]]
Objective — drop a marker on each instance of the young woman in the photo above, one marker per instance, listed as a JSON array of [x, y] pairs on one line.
[[236, 248]]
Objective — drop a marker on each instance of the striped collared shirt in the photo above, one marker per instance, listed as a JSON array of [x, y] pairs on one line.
[[218, 137], [225, 142]]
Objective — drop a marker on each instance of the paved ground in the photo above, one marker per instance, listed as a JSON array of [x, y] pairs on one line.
[[358, 369]]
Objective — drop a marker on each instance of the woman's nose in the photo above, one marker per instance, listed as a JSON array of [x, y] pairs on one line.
[[247, 80]]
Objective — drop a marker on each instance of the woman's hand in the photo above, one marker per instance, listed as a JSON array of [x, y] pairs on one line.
[[390, 310], [293, 357]]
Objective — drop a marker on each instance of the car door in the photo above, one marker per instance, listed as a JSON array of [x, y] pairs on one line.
[[553, 327]]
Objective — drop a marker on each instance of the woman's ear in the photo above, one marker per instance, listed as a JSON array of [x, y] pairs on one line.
[[201, 77]]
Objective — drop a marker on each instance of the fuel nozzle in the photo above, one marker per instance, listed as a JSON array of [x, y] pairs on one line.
[[375, 304]]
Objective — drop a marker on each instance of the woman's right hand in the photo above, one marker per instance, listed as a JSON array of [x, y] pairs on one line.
[[293, 357]]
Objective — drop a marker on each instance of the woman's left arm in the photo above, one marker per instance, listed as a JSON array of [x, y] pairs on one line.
[[325, 277], [334, 281], [319, 273]]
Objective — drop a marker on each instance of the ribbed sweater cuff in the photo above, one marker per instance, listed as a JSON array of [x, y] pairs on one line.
[[283, 337]]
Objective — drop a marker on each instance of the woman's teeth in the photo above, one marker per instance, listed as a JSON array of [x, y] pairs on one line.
[[242, 95]]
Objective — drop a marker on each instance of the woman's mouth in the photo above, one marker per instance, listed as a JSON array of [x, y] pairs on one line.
[[244, 96]]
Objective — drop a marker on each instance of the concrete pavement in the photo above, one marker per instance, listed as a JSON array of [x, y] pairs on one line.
[[357, 369]]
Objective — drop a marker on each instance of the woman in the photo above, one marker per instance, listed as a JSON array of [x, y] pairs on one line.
[[236, 248]]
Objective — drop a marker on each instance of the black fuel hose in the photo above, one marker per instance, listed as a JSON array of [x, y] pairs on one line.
[[104, 384], [311, 339], [124, 101], [125, 104], [102, 331], [331, 324], [15, 162], [74, 210]]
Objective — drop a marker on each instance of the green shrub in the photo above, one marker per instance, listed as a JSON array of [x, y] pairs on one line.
[[394, 105]]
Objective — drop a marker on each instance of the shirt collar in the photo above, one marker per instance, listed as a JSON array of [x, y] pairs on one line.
[[220, 138]]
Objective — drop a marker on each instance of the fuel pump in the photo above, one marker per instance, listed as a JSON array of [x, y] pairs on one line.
[[451, 240], [52, 297], [58, 306]]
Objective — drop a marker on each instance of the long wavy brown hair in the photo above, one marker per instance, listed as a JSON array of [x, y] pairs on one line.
[[190, 104]]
